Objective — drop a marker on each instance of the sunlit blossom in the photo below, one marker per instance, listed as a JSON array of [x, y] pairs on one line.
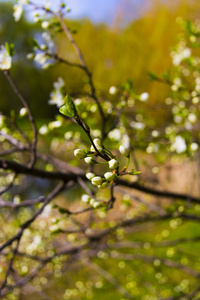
[[5, 59]]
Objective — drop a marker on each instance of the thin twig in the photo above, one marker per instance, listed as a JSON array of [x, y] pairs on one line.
[[31, 119]]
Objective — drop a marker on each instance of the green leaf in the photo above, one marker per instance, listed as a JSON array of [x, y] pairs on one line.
[[10, 48], [7, 48], [57, 231], [63, 210], [152, 76], [166, 75], [69, 109], [63, 110]]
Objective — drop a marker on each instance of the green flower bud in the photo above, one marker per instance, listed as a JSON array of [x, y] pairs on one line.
[[104, 185], [109, 176], [96, 204], [89, 160], [80, 153], [97, 180], [92, 201], [124, 151]]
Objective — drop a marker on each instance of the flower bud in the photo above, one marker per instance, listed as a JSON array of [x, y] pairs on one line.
[[23, 111], [98, 145], [89, 160], [80, 153], [96, 204], [103, 185], [109, 176], [45, 24], [85, 198], [92, 201], [92, 149], [123, 150], [144, 97], [113, 163], [90, 175], [97, 180]]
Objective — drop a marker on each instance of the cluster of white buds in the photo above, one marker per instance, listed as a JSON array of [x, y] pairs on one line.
[[99, 181], [87, 199]]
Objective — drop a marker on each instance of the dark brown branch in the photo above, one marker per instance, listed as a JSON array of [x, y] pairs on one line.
[[22, 169], [24, 203]]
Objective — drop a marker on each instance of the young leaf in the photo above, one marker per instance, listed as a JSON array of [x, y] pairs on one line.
[[152, 76], [71, 106], [63, 110]]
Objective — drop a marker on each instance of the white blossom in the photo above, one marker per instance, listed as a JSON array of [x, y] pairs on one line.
[[55, 124], [30, 56], [41, 58], [46, 36], [18, 11], [126, 141], [194, 146], [85, 198], [56, 97], [23, 111], [192, 118], [23, 2], [144, 97], [5, 59], [179, 145], [45, 24], [59, 83], [19, 8], [47, 4], [137, 125], [115, 134], [43, 129], [113, 90], [155, 133]]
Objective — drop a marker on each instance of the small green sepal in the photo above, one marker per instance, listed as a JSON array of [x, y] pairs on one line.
[[133, 172]]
